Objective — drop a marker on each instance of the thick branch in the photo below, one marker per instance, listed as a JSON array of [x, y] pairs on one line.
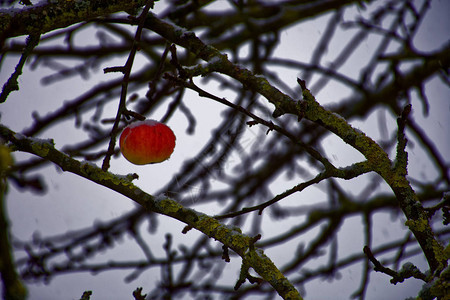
[[59, 14], [229, 236]]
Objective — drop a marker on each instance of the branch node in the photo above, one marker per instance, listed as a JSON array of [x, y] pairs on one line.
[[133, 114], [302, 83], [255, 239], [186, 229], [225, 253], [120, 69], [137, 294]]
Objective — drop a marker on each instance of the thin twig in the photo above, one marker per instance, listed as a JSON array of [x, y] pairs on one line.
[[127, 71], [277, 198], [12, 84], [408, 269]]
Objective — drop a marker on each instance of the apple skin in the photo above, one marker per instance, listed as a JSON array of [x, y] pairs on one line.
[[147, 142]]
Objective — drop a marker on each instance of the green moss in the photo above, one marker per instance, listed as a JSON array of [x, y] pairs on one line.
[[40, 148], [267, 269], [239, 241], [292, 295], [420, 225], [446, 252], [117, 180], [169, 206], [398, 181], [230, 237], [307, 95], [441, 287], [97, 174], [376, 156], [207, 224], [441, 255], [222, 233]]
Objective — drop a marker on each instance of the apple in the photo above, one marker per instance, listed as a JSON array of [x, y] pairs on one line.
[[147, 142]]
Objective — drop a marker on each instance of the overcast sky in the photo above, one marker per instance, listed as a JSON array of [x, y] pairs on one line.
[[73, 203]]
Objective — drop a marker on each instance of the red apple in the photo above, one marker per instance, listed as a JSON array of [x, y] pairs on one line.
[[147, 142]]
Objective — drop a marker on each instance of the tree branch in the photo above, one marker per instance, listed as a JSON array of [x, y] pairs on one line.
[[230, 236], [58, 14], [12, 285], [12, 84], [126, 70]]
